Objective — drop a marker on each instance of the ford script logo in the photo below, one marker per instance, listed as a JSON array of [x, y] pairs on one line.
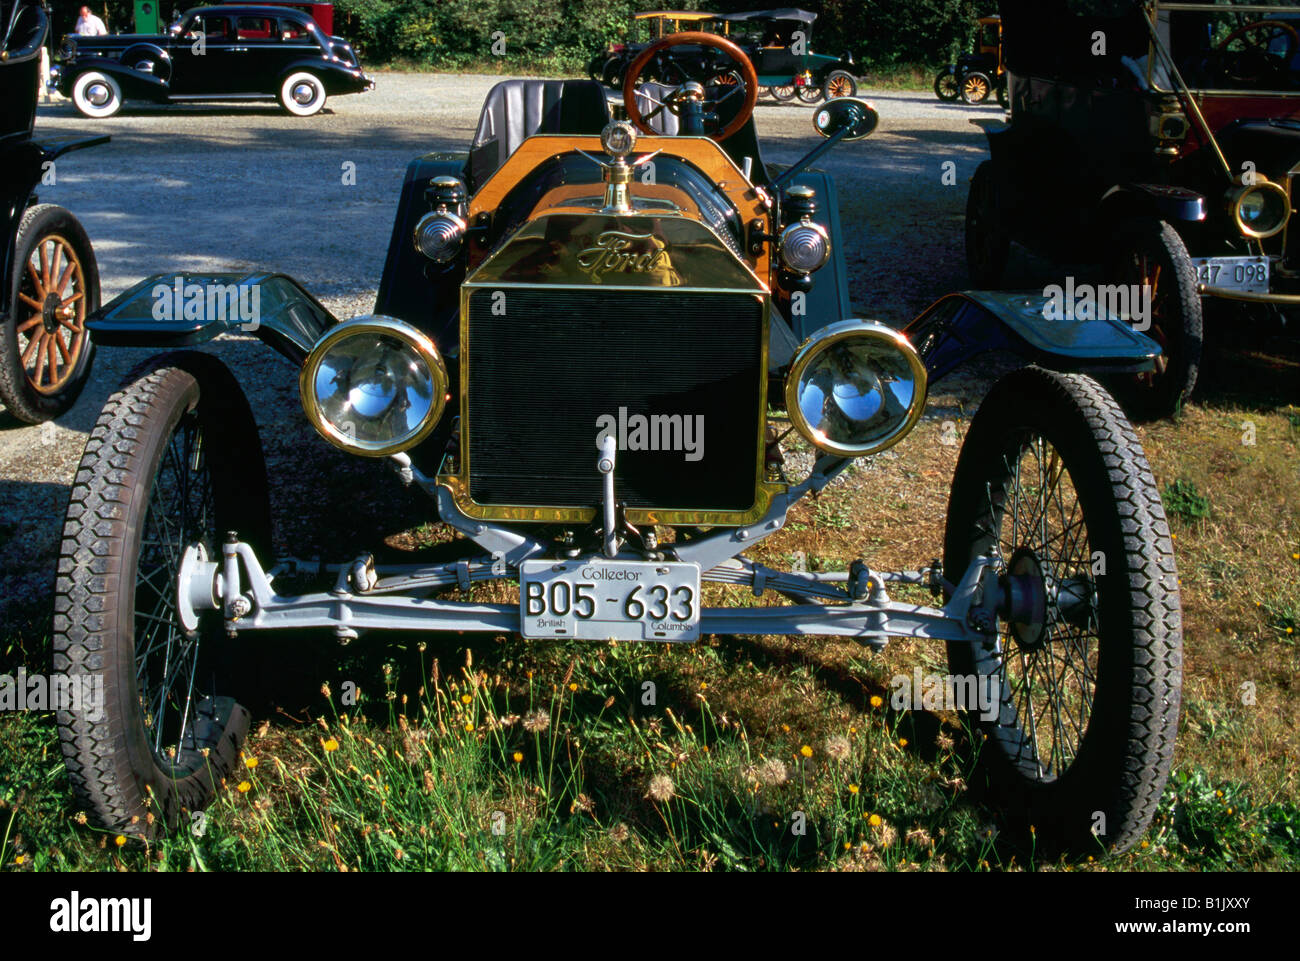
[[615, 251]]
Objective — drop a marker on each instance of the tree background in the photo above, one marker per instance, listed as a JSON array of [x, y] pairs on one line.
[[564, 34]]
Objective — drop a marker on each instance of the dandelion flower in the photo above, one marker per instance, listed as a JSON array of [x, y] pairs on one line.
[[902, 742], [244, 787], [806, 751], [573, 685], [120, 840], [81, 817], [518, 757], [469, 726], [536, 721], [330, 745], [837, 747], [876, 700], [250, 763], [772, 773], [619, 833], [465, 699], [853, 789], [874, 820], [661, 788]]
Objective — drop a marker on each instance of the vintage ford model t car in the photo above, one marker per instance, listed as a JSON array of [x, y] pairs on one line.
[[663, 302], [976, 74], [237, 52], [779, 42], [51, 283], [1161, 142]]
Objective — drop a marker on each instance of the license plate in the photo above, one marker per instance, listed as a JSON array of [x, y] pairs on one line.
[[598, 600], [1233, 273]]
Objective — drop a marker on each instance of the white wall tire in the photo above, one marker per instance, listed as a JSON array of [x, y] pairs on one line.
[[96, 94], [302, 94]]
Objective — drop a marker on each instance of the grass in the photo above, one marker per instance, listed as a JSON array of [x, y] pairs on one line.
[[734, 753]]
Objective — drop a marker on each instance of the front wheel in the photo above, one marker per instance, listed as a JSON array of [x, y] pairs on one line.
[[45, 348], [173, 461], [96, 94], [946, 87], [302, 94], [840, 83], [975, 87], [1084, 674], [1149, 258]]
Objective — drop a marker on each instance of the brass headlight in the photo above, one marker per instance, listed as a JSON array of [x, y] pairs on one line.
[[856, 387], [374, 386], [1259, 210]]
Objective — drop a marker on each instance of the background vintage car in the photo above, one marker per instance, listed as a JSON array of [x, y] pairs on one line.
[[1168, 159], [977, 74], [234, 52], [50, 283]]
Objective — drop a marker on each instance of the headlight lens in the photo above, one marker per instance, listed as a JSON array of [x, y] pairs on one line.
[[439, 236], [1260, 210], [374, 386], [855, 388], [805, 247]]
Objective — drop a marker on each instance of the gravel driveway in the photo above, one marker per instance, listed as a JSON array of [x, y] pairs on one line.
[[217, 187]]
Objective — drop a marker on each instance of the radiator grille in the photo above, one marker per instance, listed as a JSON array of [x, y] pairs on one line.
[[541, 375]]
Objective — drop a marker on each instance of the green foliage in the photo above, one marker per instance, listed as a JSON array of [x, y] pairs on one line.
[[1182, 499]]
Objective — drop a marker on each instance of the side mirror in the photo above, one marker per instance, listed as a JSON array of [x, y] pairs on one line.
[[855, 117]]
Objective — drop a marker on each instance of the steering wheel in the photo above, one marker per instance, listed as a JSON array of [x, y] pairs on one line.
[[700, 89], [1257, 61]]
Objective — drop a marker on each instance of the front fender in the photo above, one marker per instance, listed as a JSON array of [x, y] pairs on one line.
[[960, 326], [135, 84], [181, 310], [1165, 202]]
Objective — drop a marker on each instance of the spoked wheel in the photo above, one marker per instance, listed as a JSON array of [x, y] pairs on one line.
[[1146, 252], [784, 92], [975, 87], [174, 461], [810, 93], [987, 242], [946, 87], [1085, 672], [45, 349], [840, 83]]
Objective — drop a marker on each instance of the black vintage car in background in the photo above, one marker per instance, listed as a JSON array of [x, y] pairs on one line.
[[779, 42], [51, 283], [976, 74], [1165, 155], [244, 52]]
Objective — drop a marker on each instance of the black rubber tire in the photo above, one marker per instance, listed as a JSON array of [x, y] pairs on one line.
[[1004, 95], [975, 87], [946, 87], [1121, 763], [842, 81], [810, 94], [987, 242], [784, 93], [45, 223], [1177, 323], [117, 776]]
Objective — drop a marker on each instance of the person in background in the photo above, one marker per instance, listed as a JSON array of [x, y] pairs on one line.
[[89, 25]]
